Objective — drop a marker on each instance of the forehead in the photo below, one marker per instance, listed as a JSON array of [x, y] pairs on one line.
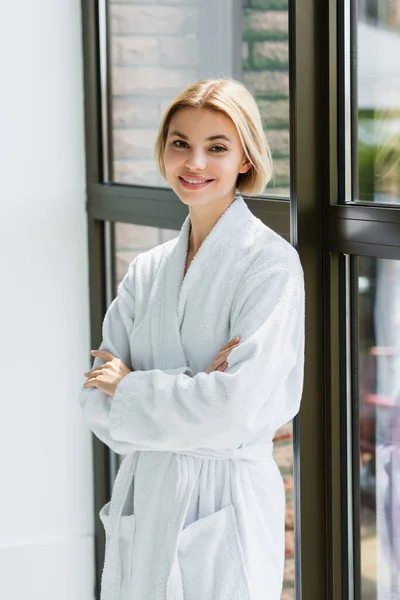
[[203, 122]]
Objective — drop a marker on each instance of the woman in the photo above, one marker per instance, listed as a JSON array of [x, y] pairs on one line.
[[197, 510]]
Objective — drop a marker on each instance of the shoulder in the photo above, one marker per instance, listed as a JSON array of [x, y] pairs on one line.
[[142, 272], [272, 281], [270, 253]]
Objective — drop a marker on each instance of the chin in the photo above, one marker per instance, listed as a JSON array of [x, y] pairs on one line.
[[194, 198], [190, 200]]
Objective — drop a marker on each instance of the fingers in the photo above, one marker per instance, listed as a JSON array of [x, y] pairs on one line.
[[223, 367], [220, 360], [91, 382], [232, 342], [94, 370], [217, 367], [106, 356], [93, 374], [220, 363], [225, 353]]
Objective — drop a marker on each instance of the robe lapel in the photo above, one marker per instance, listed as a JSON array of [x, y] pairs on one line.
[[171, 353], [211, 252]]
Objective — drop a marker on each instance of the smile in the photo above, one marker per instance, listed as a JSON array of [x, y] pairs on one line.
[[194, 184]]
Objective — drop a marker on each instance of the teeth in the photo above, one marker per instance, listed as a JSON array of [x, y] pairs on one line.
[[194, 180]]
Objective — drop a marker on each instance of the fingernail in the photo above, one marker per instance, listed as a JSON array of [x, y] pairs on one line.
[[237, 339]]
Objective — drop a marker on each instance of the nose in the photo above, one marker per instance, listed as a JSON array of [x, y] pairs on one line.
[[195, 161]]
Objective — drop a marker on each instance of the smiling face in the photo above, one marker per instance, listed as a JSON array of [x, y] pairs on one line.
[[203, 156]]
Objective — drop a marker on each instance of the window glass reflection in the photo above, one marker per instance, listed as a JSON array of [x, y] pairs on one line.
[[378, 99], [157, 48], [379, 386]]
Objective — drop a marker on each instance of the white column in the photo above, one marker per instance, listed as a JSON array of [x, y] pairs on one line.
[[46, 516]]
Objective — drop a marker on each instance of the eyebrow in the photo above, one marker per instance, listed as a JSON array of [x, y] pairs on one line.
[[209, 139]]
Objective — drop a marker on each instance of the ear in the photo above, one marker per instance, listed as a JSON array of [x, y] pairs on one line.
[[245, 166]]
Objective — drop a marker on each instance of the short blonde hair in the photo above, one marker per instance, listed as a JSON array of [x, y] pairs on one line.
[[236, 102]]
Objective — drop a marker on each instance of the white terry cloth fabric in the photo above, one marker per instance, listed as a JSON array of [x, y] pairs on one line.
[[197, 510]]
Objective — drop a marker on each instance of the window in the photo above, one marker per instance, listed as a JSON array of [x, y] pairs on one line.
[[157, 49], [376, 99], [378, 341]]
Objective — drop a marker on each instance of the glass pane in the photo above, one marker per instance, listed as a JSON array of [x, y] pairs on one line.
[[378, 90], [379, 388], [130, 240], [158, 48]]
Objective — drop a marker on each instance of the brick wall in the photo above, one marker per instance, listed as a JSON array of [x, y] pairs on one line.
[[265, 54], [131, 240], [155, 53]]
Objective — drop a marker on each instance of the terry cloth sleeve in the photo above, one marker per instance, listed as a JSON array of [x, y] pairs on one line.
[[116, 330], [224, 410]]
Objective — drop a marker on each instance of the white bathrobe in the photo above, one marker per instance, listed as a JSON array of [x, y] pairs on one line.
[[198, 505]]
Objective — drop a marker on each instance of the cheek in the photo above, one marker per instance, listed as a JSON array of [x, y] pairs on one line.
[[227, 167], [171, 160]]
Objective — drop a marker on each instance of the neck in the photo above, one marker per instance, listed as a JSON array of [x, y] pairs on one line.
[[203, 218]]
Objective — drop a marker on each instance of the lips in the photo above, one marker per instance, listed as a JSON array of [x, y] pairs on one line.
[[192, 179], [194, 183]]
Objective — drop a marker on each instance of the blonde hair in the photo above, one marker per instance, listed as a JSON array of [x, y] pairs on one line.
[[236, 102]]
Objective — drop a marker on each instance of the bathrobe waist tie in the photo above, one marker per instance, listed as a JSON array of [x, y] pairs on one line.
[[111, 576]]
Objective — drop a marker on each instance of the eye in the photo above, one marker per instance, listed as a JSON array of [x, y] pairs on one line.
[[179, 144], [218, 149]]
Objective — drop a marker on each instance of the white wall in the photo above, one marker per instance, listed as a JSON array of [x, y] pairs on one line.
[[46, 519]]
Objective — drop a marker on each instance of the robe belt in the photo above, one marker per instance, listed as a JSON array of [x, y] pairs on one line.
[[111, 576], [255, 453]]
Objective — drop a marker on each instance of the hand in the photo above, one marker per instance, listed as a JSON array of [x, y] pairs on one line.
[[106, 377], [220, 363]]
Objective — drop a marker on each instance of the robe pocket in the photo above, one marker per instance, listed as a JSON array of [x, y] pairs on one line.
[[211, 559], [126, 535]]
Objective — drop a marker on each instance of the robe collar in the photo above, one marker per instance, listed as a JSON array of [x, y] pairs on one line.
[[210, 253]]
